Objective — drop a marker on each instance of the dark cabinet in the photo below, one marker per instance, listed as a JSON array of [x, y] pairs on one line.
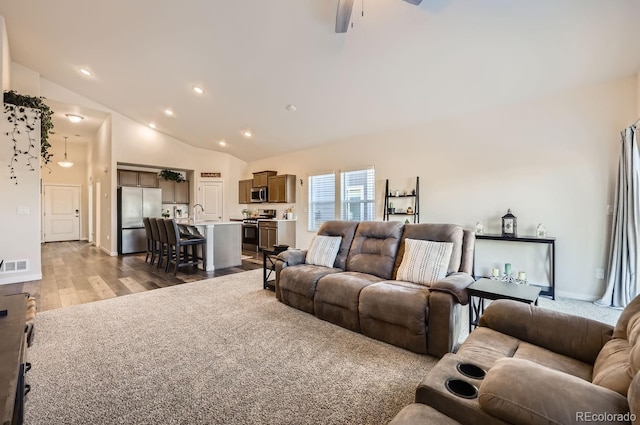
[[174, 192], [262, 178], [244, 191], [282, 188], [137, 178]]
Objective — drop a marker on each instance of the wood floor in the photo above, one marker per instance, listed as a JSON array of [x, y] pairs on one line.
[[78, 272]]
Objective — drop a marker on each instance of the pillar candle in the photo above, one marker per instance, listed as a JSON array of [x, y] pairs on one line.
[[521, 276], [495, 272], [507, 268]]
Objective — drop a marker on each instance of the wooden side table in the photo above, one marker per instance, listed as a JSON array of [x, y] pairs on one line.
[[487, 289]]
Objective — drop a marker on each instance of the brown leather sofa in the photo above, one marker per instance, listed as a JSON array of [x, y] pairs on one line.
[[360, 292], [542, 367]]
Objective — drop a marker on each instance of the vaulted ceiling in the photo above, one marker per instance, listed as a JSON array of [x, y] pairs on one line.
[[398, 65]]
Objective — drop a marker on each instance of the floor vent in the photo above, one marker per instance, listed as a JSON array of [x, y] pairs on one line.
[[14, 266]]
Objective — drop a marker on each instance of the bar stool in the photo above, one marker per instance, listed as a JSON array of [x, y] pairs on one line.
[[178, 248], [155, 236], [164, 242], [150, 244]]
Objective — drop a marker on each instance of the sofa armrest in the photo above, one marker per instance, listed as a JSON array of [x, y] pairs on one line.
[[573, 336], [290, 257], [522, 392], [456, 285]]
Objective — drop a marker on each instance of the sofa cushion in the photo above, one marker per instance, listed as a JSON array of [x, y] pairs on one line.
[[523, 392], [405, 304], [303, 278], [337, 297], [437, 233], [552, 360], [424, 262], [487, 346], [323, 250], [344, 229], [374, 248], [612, 369]]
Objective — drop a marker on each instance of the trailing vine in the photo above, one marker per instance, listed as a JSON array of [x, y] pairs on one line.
[[16, 107], [171, 175]]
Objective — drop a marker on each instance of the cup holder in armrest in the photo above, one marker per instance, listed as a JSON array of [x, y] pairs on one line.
[[471, 371], [461, 388]]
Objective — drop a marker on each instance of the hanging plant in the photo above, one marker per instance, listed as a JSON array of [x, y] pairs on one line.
[[171, 175], [16, 106]]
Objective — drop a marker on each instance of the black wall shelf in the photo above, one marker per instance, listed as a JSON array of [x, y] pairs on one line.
[[415, 201]]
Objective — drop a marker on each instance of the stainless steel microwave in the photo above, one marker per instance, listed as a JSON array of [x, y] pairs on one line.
[[259, 194]]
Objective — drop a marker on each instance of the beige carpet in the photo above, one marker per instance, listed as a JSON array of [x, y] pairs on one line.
[[219, 351]]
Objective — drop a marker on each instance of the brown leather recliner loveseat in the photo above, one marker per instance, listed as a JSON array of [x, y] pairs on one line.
[[542, 367], [360, 292]]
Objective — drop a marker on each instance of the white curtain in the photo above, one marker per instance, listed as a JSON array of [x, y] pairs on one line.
[[624, 261]]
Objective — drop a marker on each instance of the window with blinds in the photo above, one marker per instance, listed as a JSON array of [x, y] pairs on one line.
[[356, 202], [357, 195], [322, 200]]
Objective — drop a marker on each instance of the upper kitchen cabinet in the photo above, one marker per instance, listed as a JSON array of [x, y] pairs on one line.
[[137, 178], [244, 191], [261, 179], [174, 192], [282, 188]]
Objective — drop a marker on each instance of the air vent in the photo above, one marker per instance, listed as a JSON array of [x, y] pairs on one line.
[[14, 266]]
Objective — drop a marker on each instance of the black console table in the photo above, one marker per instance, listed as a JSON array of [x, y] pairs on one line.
[[551, 292], [269, 265], [13, 316]]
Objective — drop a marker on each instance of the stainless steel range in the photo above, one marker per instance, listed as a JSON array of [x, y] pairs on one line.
[[250, 235]]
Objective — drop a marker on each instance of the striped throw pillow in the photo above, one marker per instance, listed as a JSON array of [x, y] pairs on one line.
[[424, 262], [323, 250]]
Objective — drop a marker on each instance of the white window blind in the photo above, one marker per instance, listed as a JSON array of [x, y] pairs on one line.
[[357, 194], [322, 199]]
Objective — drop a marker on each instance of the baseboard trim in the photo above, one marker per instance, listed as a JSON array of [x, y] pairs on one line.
[[109, 253], [575, 296], [19, 279]]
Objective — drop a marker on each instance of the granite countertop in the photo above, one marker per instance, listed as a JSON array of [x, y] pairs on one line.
[[206, 222]]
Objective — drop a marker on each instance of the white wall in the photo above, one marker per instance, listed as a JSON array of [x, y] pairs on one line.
[[24, 80], [20, 232], [5, 57], [550, 160]]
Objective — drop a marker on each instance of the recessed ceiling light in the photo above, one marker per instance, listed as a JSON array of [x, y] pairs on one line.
[[222, 143], [85, 72], [168, 112], [152, 125], [198, 90], [247, 133], [74, 118], [291, 108]]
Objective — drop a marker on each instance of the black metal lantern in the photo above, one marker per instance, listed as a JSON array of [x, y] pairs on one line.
[[509, 225]]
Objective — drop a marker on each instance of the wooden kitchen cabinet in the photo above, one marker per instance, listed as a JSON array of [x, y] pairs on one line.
[[262, 178], [137, 178], [244, 191], [282, 188], [174, 192], [276, 232]]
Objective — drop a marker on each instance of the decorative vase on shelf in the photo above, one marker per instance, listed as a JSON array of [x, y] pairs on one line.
[[479, 228], [541, 231]]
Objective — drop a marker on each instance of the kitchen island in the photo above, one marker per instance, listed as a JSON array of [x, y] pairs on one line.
[[224, 244]]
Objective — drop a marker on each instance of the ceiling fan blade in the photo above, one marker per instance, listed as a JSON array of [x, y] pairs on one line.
[[343, 16], [416, 2]]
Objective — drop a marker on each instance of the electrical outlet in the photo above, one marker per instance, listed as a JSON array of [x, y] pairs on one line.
[[599, 273], [609, 209]]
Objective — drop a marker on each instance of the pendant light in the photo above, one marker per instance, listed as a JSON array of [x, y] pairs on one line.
[[66, 163]]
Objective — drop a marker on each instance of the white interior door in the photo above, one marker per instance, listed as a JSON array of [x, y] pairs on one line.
[[61, 213], [210, 196]]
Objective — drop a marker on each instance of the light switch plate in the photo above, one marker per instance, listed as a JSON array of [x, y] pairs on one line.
[[22, 210]]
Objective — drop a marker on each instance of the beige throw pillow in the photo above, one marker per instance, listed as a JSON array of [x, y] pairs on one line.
[[424, 262], [323, 250]]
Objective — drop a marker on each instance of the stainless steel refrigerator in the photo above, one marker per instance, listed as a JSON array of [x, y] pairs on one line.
[[133, 204]]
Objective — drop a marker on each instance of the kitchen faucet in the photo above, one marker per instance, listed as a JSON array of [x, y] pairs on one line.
[[195, 213]]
